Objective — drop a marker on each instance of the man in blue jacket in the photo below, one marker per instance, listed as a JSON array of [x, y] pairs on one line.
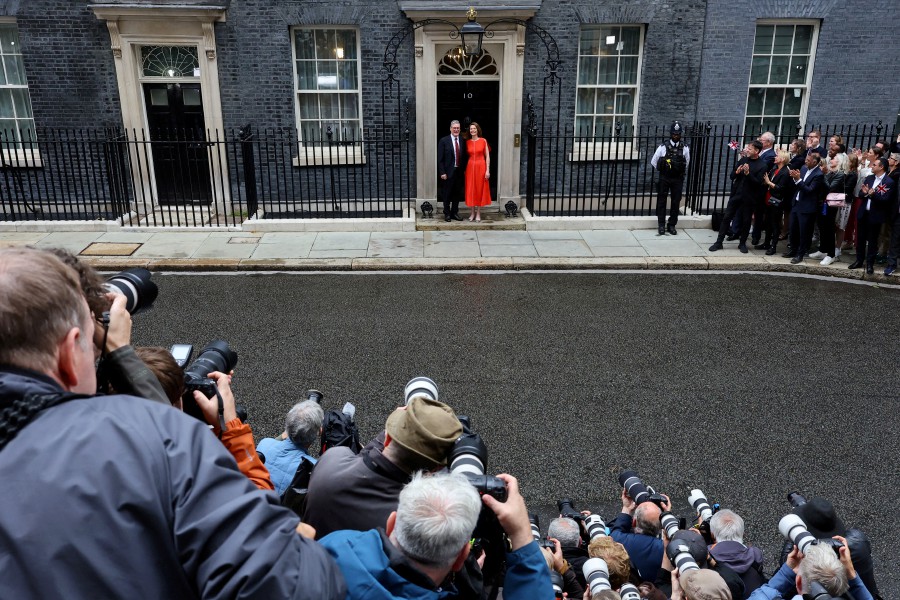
[[637, 528], [117, 496], [806, 205], [427, 538]]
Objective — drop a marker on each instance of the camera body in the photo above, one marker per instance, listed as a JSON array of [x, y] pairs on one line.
[[567, 510], [216, 356]]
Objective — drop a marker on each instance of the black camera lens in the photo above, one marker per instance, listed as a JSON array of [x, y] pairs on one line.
[[217, 356], [634, 487], [557, 581], [535, 526], [680, 555], [796, 499], [315, 395], [137, 287]]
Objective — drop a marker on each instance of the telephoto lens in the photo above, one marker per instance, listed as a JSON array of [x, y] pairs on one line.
[[698, 500], [669, 524], [468, 457], [567, 509], [796, 499], [217, 356], [629, 591], [634, 487], [596, 574], [137, 287], [535, 526], [420, 386], [680, 555], [595, 527], [315, 395], [557, 580], [793, 528]]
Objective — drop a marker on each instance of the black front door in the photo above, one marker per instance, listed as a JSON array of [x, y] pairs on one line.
[[177, 132], [468, 101]]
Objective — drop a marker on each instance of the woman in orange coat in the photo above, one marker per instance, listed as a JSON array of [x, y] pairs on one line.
[[478, 172]]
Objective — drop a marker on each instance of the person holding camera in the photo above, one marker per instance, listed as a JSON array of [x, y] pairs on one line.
[[302, 425], [129, 474], [819, 574], [568, 533], [637, 529], [428, 537], [727, 530]]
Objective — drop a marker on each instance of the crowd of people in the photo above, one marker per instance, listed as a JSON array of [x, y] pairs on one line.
[[123, 494], [823, 201]]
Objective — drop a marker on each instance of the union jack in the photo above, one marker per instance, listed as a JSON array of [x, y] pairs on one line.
[[734, 145]]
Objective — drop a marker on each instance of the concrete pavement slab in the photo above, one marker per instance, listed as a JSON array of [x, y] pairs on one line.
[[22, 237], [341, 240], [618, 250], [452, 249], [508, 250], [451, 236], [609, 238], [171, 245], [73, 241], [651, 234], [505, 238], [431, 264], [397, 235], [555, 235], [407, 245], [673, 248], [292, 249], [562, 248], [701, 236], [125, 237], [219, 245], [289, 237], [338, 253]]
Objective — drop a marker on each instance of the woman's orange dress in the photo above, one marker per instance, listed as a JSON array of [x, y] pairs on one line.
[[478, 189]]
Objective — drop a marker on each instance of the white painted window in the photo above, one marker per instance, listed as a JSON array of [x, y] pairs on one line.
[[609, 74], [17, 134], [780, 76]]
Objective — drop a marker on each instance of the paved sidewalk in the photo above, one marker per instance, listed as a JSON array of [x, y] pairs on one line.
[[419, 250]]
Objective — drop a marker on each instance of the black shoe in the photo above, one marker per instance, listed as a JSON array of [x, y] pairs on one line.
[[788, 254], [456, 217], [760, 246], [731, 238], [755, 241], [870, 270], [716, 246], [856, 264], [743, 248], [671, 229], [447, 218], [796, 260], [662, 230], [771, 251]]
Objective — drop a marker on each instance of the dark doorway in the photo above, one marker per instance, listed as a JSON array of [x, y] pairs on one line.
[[467, 101], [176, 128]]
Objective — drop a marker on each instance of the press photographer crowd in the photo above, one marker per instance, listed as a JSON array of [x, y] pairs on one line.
[[132, 472]]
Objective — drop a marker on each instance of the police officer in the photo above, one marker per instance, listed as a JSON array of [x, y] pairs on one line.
[[670, 160]]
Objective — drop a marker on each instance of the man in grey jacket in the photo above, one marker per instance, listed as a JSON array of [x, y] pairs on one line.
[[116, 496]]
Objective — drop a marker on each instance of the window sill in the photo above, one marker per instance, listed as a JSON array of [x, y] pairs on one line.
[[22, 159], [604, 152], [325, 157]]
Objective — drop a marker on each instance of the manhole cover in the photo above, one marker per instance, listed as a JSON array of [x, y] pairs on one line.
[[110, 249]]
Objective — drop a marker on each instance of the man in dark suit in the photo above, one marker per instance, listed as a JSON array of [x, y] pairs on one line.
[[813, 139], [452, 158], [807, 204], [767, 139], [877, 194], [747, 187]]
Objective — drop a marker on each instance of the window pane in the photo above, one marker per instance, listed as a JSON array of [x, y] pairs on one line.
[[604, 126], [608, 73], [15, 70], [584, 102], [609, 37], [26, 131], [628, 67], [9, 39], [310, 132], [8, 132], [632, 38], [304, 42], [21, 103], [349, 106], [779, 72], [590, 41], [587, 71], [774, 98], [784, 38], [328, 107], [159, 97], [347, 75], [583, 126], [306, 75], [755, 101], [346, 41], [625, 101], [772, 124], [606, 102], [793, 100], [327, 78], [309, 106], [798, 69], [763, 43], [191, 97], [759, 73], [2, 75], [803, 39], [627, 125], [6, 104]]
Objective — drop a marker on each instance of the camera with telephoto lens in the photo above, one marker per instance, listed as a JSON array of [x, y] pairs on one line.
[[137, 287], [558, 584], [596, 575], [536, 533], [629, 591], [794, 529], [567, 510], [216, 356], [670, 524], [420, 386], [796, 499], [680, 555], [704, 513], [639, 492], [818, 592], [595, 527]]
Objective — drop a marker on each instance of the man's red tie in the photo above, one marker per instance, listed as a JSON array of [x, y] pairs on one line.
[[456, 151]]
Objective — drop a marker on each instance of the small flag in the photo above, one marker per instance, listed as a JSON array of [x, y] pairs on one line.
[[734, 145], [881, 189]]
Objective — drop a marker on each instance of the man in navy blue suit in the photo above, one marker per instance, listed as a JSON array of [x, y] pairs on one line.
[[807, 204], [452, 158], [877, 193]]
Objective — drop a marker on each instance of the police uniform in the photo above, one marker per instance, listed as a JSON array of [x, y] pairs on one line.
[[670, 160]]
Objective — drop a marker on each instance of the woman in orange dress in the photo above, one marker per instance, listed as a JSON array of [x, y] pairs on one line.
[[478, 172]]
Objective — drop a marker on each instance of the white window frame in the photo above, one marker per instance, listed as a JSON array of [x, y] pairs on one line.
[[321, 155], [623, 150], [806, 86], [20, 157]]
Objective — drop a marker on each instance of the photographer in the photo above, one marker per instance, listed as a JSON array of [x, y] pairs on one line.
[[727, 530], [696, 547], [819, 566], [637, 528], [136, 475], [566, 570], [568, 532], [427, 538], [302, 425], [699, 584]]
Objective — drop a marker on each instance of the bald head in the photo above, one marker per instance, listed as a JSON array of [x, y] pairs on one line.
[[646, 519]]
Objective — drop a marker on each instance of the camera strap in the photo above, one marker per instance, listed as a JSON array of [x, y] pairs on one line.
[[15, 417], [221, 412]]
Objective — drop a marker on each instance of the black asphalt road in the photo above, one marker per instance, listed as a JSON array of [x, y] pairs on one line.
[[746, 386]]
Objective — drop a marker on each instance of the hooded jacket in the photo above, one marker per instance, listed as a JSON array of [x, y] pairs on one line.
[[746, 561], [120, 497]]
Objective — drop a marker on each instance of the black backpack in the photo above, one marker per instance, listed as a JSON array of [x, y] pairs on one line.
[[294, 497], [673, 164], [339, 429]]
